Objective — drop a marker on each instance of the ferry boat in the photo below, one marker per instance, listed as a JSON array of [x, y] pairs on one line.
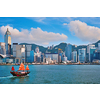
[[21, 72]]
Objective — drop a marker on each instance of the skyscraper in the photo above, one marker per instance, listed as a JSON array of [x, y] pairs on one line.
[[59, 55], [90, 46], [74, 56], [68, 51], [82, 55], [7, 39]]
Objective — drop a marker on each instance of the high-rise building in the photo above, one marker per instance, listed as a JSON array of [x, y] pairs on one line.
[[91, 54], [99, 46], [82, 55], [2, 48], [74, 56], [68, 51], [31, 56], [59, 55], [28, 49], [37, 55], [7, 39], [19, 53], [90, 46]]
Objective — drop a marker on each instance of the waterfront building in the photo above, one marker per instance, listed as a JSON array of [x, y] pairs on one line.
[[90, 46], [96, 55], [47, 60], [37, 55], [74, 56], [53, 56], [42, 56], [82, 55], [65, 59], [28, 49], [59, 55], [92, 51], [2, 58], [32, 56], [19, 53], [98, 46], [68, 51], [2, 48], [7, 39]]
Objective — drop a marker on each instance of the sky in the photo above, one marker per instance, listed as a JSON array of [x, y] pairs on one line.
[[47, 31]]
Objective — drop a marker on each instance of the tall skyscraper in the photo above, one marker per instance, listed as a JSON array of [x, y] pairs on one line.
[[82, 55], [7, 39], [74, 56], [59, 55], [90, 46], [68, 51]]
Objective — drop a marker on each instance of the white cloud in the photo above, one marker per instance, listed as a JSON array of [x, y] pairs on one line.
[[37, 19], [35, 35], [65, 24], [84, 32]]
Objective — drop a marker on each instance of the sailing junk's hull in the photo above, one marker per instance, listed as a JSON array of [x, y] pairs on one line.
[[19, 73]]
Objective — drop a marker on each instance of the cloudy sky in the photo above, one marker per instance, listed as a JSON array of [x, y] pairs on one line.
[[51, 30]]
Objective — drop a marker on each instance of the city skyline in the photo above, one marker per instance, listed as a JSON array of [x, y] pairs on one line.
[[46, 31]]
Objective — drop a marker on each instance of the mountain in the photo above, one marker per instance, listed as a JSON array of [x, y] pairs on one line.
[[96, 44], [41, 48], [61, 45]]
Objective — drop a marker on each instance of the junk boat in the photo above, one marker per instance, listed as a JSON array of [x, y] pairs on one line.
[[21, 72]]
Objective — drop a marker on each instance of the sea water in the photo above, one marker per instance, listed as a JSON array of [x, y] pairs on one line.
[[53, 74]]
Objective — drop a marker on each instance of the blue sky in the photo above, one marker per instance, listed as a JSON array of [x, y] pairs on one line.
[[51, 30]]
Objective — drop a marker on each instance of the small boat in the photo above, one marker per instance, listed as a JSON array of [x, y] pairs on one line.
[[21, 72]]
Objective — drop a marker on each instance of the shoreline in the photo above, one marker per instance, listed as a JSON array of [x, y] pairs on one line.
[[56, 64]]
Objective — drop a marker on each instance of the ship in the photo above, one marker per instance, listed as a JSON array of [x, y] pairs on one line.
[[21, 72]]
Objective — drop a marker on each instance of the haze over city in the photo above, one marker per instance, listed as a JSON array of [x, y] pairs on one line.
[[46, 31]]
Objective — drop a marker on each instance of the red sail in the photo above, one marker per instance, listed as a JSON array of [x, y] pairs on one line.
[[12, 68], [27, 68], [21, 67]]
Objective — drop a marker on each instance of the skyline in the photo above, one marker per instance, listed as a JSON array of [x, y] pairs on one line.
[[48, 31]]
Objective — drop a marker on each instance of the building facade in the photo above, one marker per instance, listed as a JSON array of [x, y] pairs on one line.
[[74, 56], [19, 53], [90, 46], [82, 55], [68, 51], [2, 48], [53, 56], [7, 39], [28, 49]]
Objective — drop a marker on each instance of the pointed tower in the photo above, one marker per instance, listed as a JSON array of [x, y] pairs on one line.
[[7, 39]]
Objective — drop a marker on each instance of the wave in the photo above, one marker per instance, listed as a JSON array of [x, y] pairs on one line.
[[7, 77]]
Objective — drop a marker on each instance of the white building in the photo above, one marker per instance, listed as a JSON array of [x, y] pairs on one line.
[[65, 59], [53, 56], [47, 60], [74, 56]]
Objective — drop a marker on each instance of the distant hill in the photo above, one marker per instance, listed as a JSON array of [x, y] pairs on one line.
[[96, 44], [41, 48], [61, 45]]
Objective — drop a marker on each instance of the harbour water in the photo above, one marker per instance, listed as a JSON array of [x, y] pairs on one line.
[[53, 74]]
